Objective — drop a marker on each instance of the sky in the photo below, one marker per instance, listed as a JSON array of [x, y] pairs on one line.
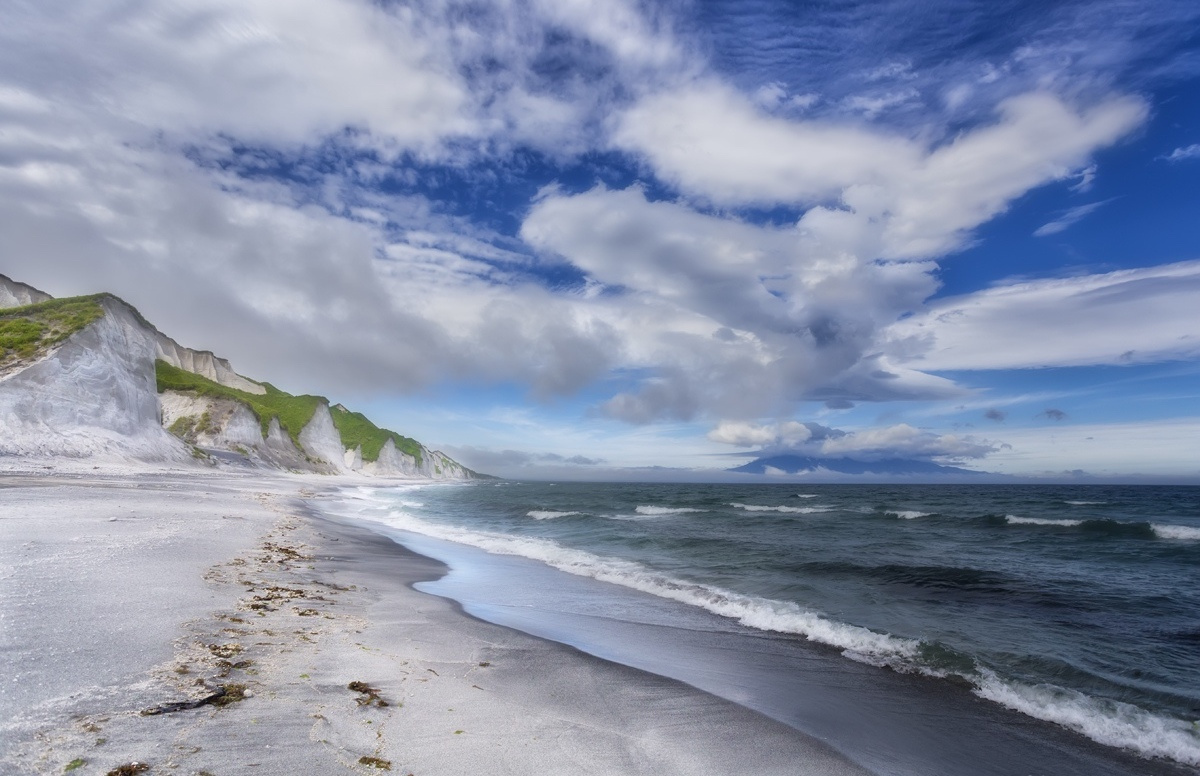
[[607, 239]]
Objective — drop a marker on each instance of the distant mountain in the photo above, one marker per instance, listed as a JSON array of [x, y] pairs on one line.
[[90, 377], [795, 464]]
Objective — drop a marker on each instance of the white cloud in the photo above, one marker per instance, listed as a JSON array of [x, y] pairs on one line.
[[1128, 316], [712, 143], [1067, 219], [904, 441], [750, 318], [1183, 153], [746, 434]]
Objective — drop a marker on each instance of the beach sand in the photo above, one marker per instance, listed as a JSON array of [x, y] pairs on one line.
[[128, 591]]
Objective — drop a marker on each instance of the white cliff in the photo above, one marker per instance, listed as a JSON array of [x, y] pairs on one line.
[[93, 395], [14, 294], [205, 364], [321, 441]]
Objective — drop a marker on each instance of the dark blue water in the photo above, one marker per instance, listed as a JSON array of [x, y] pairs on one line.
[[1075, 605]]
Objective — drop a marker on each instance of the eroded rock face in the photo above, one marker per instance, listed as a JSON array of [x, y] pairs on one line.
[[205, 364], [321, 441], [95, 395], [14, 294]]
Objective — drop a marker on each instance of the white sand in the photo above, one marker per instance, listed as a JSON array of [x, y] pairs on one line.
[[119, 593]]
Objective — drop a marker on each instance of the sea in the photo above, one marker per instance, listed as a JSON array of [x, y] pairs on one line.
[[916, 628]]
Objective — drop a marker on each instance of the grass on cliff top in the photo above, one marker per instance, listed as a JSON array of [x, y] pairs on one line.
[[26, 332], [357, 430], [294, 412]]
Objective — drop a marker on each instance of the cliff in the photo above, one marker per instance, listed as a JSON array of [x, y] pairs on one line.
[[90, 377]]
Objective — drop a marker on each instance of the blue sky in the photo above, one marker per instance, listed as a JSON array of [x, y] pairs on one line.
[[587, 238]]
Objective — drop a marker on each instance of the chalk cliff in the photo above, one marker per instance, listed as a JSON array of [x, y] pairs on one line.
[[94, 389], [92, 395]]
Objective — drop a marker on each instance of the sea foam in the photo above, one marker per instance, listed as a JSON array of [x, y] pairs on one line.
[[789, 510], [1014, 520], [1184, 532], [548, 514], [1106, 721], [754, 612], [652, 510], [907, 514]]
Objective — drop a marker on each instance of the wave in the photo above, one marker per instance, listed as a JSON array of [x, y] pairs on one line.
[[762, 614], [1014, 520], [806, 495], [1085, 503], [1184, 532], [907, 514], [548, 514], [1108, 722], [1116, 527], [652, 510], [790, 510]]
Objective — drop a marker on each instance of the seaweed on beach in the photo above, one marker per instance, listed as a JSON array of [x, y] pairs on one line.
[[376, 762], [223, 696], [368, 695], [129, 769]]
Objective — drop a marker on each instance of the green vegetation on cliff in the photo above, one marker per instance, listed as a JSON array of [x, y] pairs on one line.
[[357, 430], [27, 332], [294, 412]]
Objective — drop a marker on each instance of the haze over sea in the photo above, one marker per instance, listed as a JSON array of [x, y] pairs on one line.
[[1076, 605]]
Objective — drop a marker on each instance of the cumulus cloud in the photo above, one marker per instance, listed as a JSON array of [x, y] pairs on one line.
[[153, 149], [1127, 316], [746, 434]]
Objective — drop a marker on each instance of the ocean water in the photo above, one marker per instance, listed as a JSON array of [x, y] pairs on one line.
[[1076, 605]]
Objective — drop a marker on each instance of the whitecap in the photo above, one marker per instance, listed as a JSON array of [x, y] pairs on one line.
[[806, 495], [907, 514], [789, 510], [1085, 503], [548, 514], [760, 613], [1106, 721], [652, 510], [1183, 532], [1014, 520]]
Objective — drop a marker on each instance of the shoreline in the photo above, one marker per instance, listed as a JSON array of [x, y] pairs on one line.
[[236, 584]]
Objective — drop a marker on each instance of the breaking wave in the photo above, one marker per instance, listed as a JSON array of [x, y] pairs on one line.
[[652, 510], [907, 514], [790, 510], [1184, 532], [1106, 721], [754, 612], [548, 514], [1014, 520]]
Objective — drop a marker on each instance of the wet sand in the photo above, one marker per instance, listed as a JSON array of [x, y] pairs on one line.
[[126, 593]]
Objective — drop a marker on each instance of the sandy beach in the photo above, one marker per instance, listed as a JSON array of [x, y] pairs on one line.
[[127, 593]]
